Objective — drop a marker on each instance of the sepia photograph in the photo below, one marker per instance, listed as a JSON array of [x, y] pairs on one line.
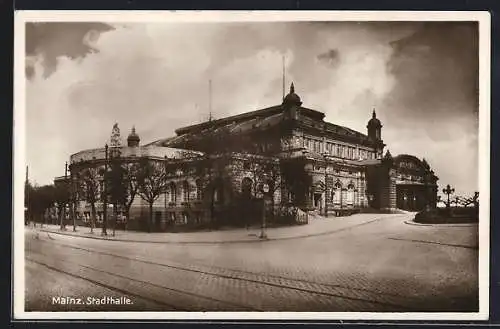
[[251, 165]]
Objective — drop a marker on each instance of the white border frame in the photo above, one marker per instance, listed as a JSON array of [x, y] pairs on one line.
[[22, 17]]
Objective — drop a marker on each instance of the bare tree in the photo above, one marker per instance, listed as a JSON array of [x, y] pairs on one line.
[[295, 178], [266, 171], [151, 182], [62, 197], [41, 198], [210, 167], [89, 186], [131, 170], [116, 187]]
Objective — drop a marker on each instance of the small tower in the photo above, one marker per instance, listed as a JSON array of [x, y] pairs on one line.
[[133, 139], [374, 128], [291, 103]]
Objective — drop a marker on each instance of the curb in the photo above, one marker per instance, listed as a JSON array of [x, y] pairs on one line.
[[412, 222], [221, 242]]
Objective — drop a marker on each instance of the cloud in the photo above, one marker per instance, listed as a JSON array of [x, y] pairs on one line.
[[52, 40], [156, 77], [330, 57]]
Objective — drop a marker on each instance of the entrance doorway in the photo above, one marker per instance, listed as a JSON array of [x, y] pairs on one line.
[[411, 198], [318, 201]]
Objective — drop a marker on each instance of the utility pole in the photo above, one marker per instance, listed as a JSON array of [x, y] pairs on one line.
[[165, 220], [66, 185], [210, 100], [105, 192], [27, 201], [73, 195], [326, 184]]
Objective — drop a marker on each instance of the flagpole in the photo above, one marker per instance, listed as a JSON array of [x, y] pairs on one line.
[[283, 75]]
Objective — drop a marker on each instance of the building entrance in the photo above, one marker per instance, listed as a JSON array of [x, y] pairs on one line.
[[318, 201], [410, 197]]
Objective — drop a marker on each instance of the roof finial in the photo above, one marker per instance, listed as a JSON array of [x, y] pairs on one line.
[[133, 129], [292, 88], [374, 115]]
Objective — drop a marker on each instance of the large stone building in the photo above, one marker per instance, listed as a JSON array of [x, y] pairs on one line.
[[341, 171]]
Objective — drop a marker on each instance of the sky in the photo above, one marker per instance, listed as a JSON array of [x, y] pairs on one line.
[[421, 78]]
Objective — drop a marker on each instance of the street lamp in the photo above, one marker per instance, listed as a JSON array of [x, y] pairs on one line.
[[265, 190], [448, 190]]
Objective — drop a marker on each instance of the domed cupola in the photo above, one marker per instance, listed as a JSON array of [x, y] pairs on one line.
[[133, 139], [292, 99], [374, 127]]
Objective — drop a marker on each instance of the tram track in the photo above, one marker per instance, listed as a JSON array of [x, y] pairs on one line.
[[393, 303], [100, 284]]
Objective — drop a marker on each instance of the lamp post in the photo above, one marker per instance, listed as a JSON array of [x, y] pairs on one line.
[[105, 190], [265, 190], [326, 184], [63, 215], [448, 190], [73, 196]]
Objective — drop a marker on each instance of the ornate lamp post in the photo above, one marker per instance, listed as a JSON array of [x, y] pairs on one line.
[[448, 190], [265, 191]]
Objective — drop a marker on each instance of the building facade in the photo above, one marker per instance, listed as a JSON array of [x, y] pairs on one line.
[[309, 163]]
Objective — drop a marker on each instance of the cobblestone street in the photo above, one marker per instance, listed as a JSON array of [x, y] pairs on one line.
[[371, 264]]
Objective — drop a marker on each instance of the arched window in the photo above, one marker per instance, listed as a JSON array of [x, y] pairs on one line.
[[337, 193], [172, 193], [350, 195], [199, 190], [246, 187], [185, 191]]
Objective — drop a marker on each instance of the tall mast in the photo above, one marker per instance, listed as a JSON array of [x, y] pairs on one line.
[[210, 100], [283, 76]]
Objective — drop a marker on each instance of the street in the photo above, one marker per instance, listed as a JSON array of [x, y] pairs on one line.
[[385, 265]]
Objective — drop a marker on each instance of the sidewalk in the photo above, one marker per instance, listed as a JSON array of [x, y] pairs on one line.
[[317, 226]]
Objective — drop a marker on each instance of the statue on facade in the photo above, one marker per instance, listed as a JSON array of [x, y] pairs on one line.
[[115, 136]]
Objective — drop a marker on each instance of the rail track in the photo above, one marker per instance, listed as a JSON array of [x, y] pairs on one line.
[[312, 289]]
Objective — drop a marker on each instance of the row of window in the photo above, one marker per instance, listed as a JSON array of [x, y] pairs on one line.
[[336, 194], [338, 150], [185, 192], [172, 217]]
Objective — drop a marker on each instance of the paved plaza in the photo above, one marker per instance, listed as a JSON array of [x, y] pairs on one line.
[[365, 262]]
